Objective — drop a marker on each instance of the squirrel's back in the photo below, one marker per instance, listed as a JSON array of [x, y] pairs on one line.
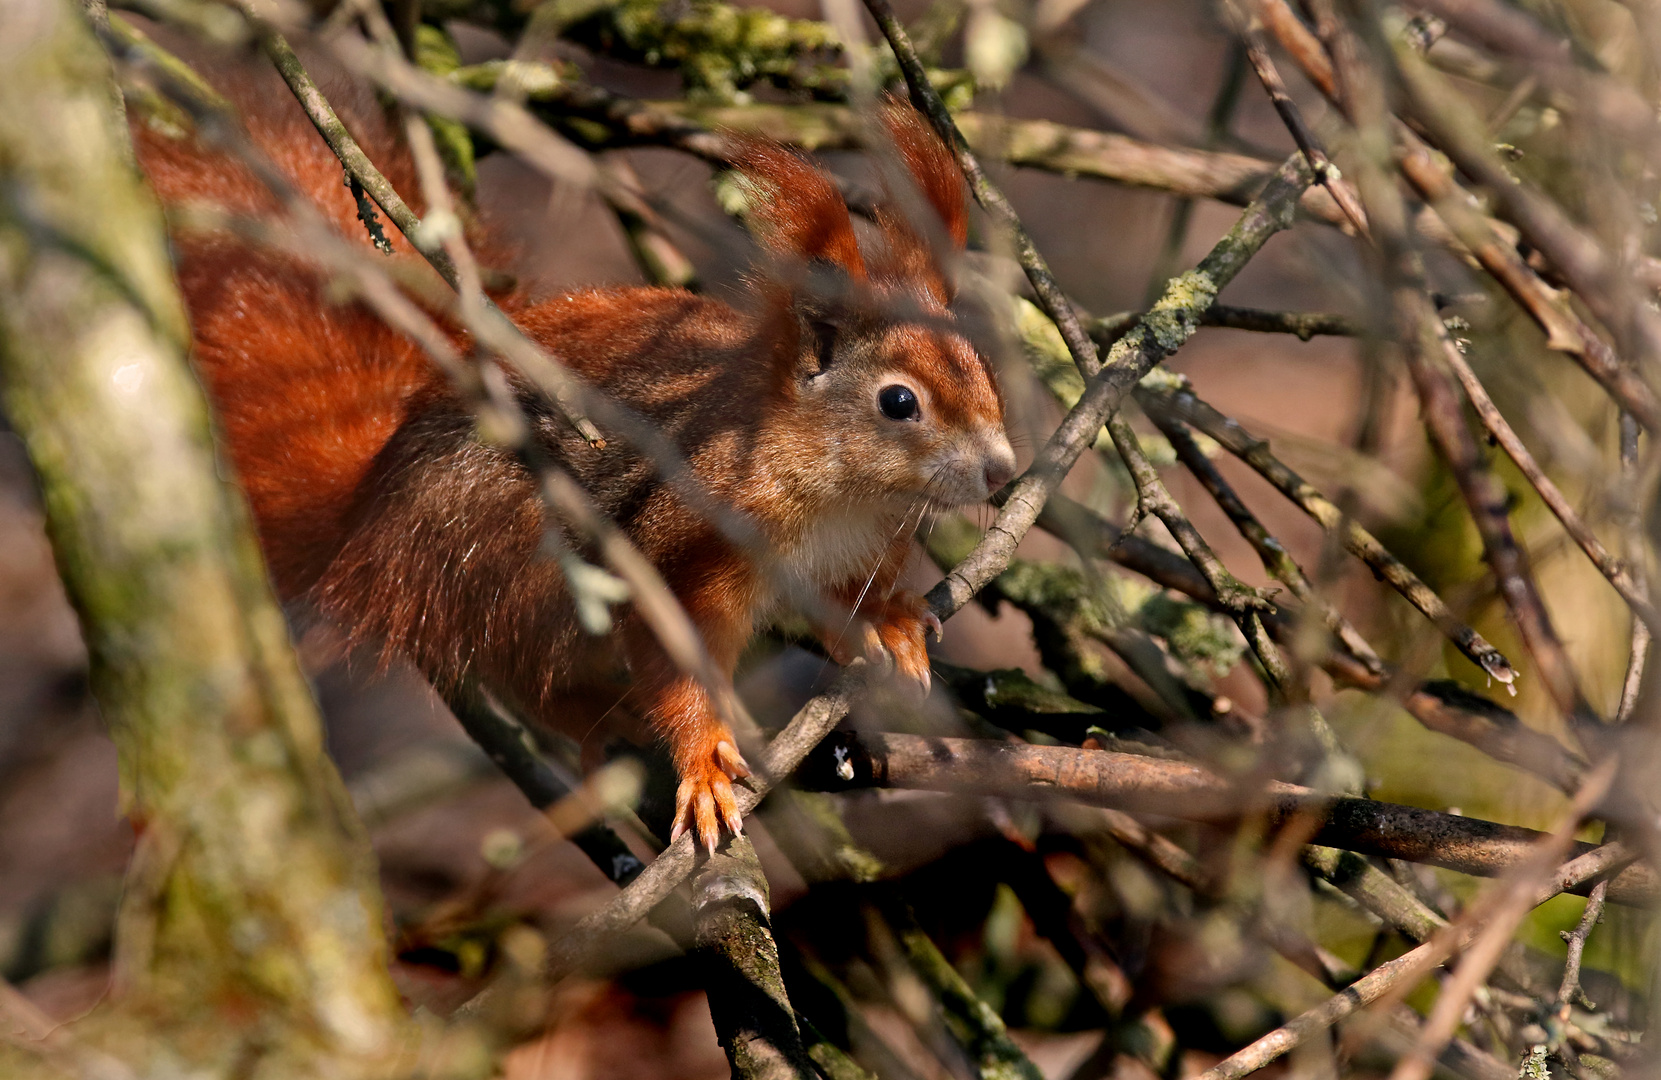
[[307, 389]]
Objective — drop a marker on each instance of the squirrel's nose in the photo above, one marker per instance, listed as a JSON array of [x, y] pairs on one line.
[[1000, 467]]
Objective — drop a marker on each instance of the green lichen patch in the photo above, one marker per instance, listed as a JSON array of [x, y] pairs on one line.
[[1097, 605], [718, 49]]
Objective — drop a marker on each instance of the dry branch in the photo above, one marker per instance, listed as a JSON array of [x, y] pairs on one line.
[[1391, 975], [806, 729], [1440, 705], [1158, 334], [1190, 793], [1484, 238], [1613, 569], [1184, 405]]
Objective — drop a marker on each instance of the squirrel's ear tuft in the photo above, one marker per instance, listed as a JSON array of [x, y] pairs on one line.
[[932, 167], [797, 208], [910, 255]]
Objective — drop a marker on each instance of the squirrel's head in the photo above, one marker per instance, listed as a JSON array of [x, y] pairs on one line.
[[868, 352]]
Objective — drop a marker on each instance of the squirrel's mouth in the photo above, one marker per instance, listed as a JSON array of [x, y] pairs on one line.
[[972, 471]]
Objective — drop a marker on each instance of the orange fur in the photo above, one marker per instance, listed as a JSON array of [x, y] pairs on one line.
[[377, 505]]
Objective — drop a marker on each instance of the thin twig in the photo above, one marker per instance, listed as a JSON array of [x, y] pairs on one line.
[[1595, 276], [359, 168], [1158, 334], [1326, 174], [805, 730], [1388, 976], [927, 100], [1361, 543], [1569, 991], [1425, 337], [1244, 604], [1503, 913], [1441, 706], [1276, 559], [1302, 324], [1612, 568], [1475, 231]]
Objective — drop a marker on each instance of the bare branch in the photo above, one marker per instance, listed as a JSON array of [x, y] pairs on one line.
[[1189, 793], [1158, 334], [1360, 543]]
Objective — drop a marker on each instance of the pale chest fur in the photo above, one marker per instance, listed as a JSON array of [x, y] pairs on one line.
[[833, 550]]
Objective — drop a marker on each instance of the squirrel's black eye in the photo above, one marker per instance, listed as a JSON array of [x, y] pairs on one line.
[[898, 402]]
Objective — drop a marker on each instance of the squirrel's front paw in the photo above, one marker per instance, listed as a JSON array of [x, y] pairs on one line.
[[901, 624], [705, 801]]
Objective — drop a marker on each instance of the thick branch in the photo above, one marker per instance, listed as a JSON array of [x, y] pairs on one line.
[[732, 910], [248, 835]]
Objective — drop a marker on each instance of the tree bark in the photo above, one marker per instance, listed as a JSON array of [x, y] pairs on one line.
[[249, 939]]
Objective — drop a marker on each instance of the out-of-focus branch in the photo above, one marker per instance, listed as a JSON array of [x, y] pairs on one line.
[[818, 843], [1479, 234], [1593, 273], [1325, 173], [1396, 976], [659, 259], [1511, 31], [1612, 568], [248, 835], [511, 747], [1443, 706], [1034, 144], [1486, 926], [1634, 540], [1425, 338], [1273, 554], [1242, 603], [990, 197]]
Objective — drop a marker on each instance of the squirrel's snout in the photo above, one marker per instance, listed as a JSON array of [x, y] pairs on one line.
[[1000, 464]]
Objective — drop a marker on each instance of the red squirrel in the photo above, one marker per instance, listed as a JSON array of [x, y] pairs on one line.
[[830, 427]]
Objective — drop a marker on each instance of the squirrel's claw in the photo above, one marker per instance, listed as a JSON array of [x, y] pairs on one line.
[[904, 630], [731, 761], [891, 633], [705, 802]]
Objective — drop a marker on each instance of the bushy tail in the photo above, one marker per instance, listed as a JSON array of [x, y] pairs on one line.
[[307, 390]]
